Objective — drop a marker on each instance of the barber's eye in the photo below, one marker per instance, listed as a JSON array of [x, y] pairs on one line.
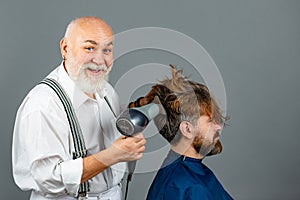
[[89, 48], [106, 51]]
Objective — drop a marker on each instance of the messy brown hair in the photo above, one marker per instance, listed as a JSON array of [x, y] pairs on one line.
[[182, 100]]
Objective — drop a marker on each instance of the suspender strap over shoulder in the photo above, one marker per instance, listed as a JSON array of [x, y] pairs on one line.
[[79, 145]]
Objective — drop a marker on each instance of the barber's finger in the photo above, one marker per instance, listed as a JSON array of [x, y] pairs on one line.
[[138, 155], [142, 141], [138, 135], [122, 137], [141, 149]]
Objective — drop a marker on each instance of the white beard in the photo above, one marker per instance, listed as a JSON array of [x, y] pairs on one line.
[[88, 83]]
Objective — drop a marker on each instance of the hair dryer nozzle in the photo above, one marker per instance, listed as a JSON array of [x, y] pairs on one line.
[[150, 110], [135, 120]]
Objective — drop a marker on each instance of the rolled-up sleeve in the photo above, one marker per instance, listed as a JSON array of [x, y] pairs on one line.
[[68, 169]]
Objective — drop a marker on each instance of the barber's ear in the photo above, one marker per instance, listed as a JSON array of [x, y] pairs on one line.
[[63, 48], [187, 129]]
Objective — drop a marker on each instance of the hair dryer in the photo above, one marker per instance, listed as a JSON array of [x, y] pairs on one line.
[[135, 120], [132, 121]]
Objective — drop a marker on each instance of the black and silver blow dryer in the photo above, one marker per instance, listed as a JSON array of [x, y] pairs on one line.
[[135, 120], [132, 121]]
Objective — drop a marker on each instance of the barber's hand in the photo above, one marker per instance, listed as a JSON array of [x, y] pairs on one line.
[[128, 148], [122, 150]]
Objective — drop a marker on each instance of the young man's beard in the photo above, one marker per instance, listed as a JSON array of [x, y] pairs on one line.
[[89, 83], [202, 146]]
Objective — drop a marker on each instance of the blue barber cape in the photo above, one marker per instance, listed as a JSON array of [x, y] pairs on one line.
[[183, 178]]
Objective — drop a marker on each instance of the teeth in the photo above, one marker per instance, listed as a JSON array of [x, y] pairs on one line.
[[96, 70]]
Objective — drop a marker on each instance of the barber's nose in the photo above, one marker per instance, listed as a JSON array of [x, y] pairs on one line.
[[98, 59]]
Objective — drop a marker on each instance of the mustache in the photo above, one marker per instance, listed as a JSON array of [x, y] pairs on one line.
[[93, 66]]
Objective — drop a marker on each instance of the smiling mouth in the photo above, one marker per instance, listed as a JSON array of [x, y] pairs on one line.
[[96, 71]]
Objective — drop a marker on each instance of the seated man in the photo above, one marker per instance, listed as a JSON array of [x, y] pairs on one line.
[[191, 125]]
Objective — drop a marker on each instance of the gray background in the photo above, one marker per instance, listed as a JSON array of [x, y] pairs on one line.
[[255, 44]]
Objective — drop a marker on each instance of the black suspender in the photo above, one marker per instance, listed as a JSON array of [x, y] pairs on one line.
[[79, 145]]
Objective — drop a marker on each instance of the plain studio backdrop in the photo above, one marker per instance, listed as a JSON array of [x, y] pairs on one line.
[[255, 45]]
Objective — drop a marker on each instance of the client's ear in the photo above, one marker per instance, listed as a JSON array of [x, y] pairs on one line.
[[187, 129]]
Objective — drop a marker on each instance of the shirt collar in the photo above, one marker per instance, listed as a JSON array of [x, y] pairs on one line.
[[76, 96]]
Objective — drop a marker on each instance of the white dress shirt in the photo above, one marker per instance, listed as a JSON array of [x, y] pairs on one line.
[[43, 145]]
